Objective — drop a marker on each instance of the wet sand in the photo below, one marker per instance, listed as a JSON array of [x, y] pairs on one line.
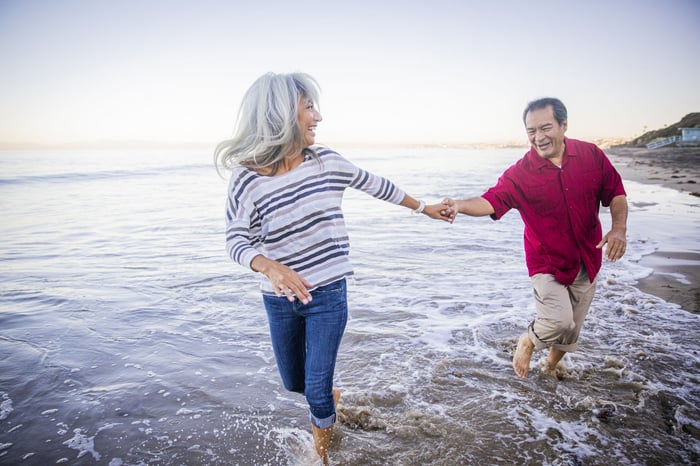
[[677, 168]]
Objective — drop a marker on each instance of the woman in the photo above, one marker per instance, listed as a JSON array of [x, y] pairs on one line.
[[284, 220]]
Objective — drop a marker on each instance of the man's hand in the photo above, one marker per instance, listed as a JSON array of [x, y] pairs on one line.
[[617, 244], [617, 236]]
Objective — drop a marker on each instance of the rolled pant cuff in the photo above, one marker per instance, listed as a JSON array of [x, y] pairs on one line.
[[540, 345], [322, 423], [570, 348]]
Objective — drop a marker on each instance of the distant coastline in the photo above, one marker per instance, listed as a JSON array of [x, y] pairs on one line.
[[97, 145], [690, 120], [138, 144], [103, 145]]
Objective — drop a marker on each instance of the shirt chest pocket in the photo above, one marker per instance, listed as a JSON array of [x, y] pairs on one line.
[[585, 188], [544, 198]]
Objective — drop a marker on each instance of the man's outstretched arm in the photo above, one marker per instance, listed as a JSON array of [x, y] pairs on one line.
[[474, 207]]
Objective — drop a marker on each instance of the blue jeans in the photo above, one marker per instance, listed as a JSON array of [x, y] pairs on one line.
[[305, 339]]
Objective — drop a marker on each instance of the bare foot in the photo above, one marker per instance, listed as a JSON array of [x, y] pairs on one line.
[[555, 355], [322, 438], [336, 396], [523, 354], [553, 372]]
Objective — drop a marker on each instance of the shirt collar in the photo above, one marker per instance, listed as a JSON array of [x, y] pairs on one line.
[[539, 162]]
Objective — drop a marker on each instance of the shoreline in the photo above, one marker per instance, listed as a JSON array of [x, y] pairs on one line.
[[676, 276]]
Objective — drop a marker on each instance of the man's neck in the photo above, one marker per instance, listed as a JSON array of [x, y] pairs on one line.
[[559, 158]]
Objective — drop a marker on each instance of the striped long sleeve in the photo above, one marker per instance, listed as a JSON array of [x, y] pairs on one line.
[[296, 218]]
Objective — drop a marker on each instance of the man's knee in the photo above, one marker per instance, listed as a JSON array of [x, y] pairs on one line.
[[565, 325], [549, 331]]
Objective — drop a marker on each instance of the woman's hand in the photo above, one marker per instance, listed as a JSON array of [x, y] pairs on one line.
[[285, 281]]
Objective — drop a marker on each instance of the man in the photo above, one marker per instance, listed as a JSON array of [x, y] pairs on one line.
[[557, 187]]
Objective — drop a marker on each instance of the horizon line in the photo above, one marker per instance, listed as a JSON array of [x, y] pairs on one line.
[[154, 144]]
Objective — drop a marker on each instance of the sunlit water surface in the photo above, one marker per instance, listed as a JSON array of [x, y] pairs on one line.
[[127, 336]]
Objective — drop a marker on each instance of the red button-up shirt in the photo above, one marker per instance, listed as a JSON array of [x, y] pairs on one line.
[[559, 207]]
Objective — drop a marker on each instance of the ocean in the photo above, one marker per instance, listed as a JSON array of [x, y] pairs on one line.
[[128, 337]]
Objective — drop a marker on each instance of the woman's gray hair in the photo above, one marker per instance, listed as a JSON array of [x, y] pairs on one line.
[[266, 127]]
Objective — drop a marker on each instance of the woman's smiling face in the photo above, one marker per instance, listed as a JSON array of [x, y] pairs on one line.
[[308, 118]]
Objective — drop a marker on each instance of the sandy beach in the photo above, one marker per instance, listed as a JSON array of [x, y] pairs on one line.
[[677, 168]]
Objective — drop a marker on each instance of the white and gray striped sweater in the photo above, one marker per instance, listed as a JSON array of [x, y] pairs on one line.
[[296, 218]]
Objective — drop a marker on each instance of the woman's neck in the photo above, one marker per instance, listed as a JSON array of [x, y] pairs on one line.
[[287, 164]]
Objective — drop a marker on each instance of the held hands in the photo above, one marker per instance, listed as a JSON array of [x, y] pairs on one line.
[[617, 244], [446, 211], [437, 212], [450, 209], [285, 281]]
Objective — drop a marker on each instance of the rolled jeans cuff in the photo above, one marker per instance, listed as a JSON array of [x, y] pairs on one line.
[[322, 423]]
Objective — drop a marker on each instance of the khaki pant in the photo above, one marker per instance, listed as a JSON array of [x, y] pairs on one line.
[[561, 310]]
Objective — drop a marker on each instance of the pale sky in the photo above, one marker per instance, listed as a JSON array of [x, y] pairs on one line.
[[428, 72]]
